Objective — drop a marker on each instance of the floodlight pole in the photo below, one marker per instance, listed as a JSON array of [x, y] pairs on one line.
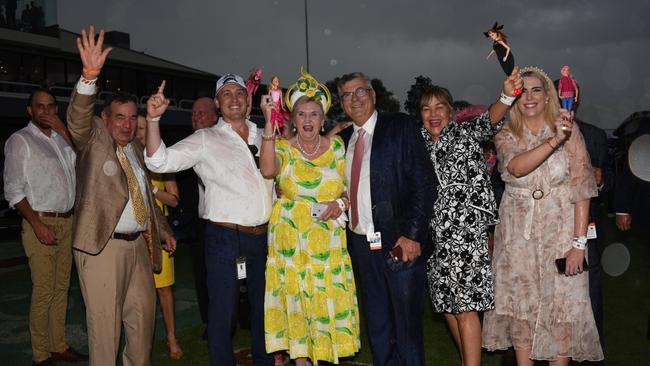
[[307, 35]]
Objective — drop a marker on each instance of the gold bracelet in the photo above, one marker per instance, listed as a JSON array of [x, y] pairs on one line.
[[268, 137], [551, 145]]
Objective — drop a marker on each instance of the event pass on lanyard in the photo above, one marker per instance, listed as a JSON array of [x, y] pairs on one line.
[[373, 237], [241, 268]]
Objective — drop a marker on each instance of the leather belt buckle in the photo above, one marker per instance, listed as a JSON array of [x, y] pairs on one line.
[[537, 194], [255, 230], [63, 215], [126, 237]]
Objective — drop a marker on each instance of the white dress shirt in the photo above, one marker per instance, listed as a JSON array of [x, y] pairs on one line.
[[363, 195], [128, 223], [235, 191], [41, 169]]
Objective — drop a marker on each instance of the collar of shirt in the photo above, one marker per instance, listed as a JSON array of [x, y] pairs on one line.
[[37, 131], [369, 125], [254, 136]]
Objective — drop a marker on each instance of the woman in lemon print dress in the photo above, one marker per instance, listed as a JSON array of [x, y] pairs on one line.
[[310, 302]]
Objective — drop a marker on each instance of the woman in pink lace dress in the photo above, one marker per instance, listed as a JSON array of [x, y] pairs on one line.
[[544, 314]]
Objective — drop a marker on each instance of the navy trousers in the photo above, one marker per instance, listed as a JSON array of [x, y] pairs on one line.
[[222, 248], [393, 303]]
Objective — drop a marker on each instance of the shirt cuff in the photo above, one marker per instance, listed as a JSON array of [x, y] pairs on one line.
[[158, 159], [86, 87], [14, 199]]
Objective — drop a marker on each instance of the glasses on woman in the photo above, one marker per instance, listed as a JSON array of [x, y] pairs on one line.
[[360, 92]]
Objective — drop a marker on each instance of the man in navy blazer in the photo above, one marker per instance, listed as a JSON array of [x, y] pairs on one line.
[[395, 192]]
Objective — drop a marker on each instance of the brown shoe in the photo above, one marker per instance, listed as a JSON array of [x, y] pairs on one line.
[[69, 355], [47, 362]]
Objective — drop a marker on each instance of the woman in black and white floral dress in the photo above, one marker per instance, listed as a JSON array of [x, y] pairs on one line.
[[460, 280]]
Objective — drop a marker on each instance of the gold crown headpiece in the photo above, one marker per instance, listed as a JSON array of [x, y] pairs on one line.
[[535, 69], [307, 85]]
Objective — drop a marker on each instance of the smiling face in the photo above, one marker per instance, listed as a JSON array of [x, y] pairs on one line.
[[359, 108], [533, 99], [308, 117], [233, 101], [435, 115], [121, 121]]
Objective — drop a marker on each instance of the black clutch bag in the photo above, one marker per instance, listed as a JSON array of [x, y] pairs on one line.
[[560, 263]]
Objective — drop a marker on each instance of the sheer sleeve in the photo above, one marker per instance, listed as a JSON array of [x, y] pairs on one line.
[[583, 183], [507, 148]]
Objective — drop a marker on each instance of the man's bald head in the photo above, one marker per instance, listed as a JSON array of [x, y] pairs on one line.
[[204, 113]]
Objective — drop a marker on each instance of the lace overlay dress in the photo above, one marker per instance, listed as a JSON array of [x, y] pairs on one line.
[[537, 308]]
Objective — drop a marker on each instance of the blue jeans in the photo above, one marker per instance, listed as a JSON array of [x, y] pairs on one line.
[[393, 305], [567, 103], [222, 248]]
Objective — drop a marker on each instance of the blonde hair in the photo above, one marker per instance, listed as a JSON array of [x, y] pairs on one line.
[[551, 106]]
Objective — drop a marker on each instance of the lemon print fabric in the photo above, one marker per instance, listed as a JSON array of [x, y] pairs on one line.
[[311, 300]]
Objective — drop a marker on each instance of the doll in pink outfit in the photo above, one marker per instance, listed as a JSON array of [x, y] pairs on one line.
[[567, 89], [277, 116]]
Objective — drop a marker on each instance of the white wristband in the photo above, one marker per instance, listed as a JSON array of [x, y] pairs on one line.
[[341, 204], [579, 242], [154, 190], [507, 100], [153, 119]]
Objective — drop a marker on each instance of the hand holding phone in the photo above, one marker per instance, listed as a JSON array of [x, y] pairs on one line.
[[317, 209]]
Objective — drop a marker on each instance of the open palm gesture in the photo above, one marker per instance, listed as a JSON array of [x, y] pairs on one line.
[[91, 53]]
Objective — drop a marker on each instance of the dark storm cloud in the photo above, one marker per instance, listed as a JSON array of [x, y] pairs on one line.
[[607, 43]]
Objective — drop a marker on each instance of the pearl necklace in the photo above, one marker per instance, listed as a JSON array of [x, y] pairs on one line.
[[309, 155]]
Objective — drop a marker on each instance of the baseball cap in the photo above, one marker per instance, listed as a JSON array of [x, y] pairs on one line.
[[229, 79]]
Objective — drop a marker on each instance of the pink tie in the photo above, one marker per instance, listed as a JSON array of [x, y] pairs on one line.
[[357, 159]]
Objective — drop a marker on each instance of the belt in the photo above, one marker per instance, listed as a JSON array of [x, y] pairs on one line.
[[255, 230], [126, 237], [64, 215]]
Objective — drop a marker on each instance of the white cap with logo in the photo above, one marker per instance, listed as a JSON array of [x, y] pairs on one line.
[[229, 79]]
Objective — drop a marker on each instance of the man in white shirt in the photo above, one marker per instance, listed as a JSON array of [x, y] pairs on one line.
[[39, 176], [237, 205]]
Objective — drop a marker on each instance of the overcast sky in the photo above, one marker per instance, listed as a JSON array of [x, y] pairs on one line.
[[606, 43]]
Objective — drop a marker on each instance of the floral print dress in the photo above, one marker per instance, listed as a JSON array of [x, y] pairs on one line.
[[537, 308], [459, 274], [310, 301]]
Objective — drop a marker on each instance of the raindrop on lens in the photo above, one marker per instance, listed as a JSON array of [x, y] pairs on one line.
[[615, 259]]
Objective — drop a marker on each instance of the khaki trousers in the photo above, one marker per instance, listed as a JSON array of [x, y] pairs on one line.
[[50, 271], [117, 286]]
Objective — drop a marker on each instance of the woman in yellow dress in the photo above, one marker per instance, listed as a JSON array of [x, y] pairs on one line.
[[310, 302], [166, 193]]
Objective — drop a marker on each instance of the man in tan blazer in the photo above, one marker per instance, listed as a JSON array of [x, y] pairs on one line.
[[117, 228]]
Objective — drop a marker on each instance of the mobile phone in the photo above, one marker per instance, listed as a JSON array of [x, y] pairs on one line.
[[317, 209], [560, 263]]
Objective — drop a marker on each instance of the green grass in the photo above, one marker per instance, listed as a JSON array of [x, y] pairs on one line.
[[627, 306]]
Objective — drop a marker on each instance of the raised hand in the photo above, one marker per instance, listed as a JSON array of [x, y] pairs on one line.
[[267, 106], [563, 126], [513, 82], [157, 103], [91, 53]]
